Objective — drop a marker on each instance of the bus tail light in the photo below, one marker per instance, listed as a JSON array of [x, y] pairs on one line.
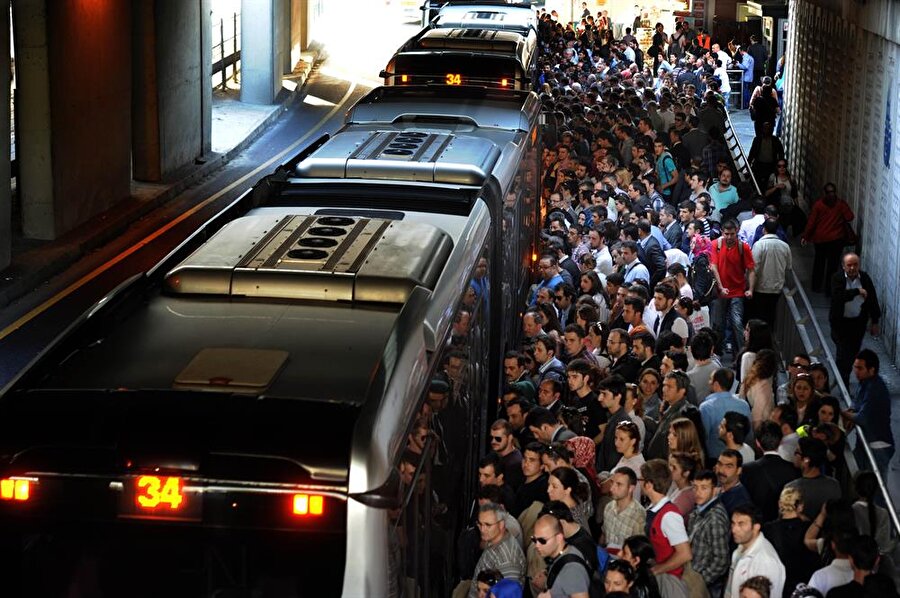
[[309, 505], [15, 489]]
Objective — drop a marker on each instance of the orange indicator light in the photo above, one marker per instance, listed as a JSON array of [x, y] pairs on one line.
[[306, 504], [404, 78], [11, 489], [155, 492], [504, 82]]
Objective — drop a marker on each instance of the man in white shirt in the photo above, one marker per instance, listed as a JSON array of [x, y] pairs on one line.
[[786, 417], [634, 269], [839, 572], [754, 555], [600, 252], [773, 259], [749, 226]]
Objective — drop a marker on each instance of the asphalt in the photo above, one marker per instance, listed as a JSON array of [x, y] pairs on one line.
[[236, 126]]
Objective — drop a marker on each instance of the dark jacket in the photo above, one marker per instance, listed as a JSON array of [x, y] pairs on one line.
[[673, 234], [654, 258], [871, 309], [626, 366], [764, 479]]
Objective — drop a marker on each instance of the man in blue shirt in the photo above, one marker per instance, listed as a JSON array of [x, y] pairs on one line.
[[551, 276], [634, 269], [744, 61], [714, 407], [872, 409]]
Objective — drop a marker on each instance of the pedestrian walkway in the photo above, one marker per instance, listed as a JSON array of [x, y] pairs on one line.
[[235, 125], [802, 261]]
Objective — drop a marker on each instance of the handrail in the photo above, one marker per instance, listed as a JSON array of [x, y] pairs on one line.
[[822, 349], [740, 160]]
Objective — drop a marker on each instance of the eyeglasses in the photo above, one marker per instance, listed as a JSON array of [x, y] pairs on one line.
[[558, 297], [540, 541], [497, 438]]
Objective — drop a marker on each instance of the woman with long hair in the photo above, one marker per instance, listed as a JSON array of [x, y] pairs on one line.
[[649, 383], [619, 577], [590, 285], [638, 552], [758, 386], [683, 467], [782, 191], [564, 485], [757, 336], [627, 441], [598, 332], [684, 438], [806, 400]]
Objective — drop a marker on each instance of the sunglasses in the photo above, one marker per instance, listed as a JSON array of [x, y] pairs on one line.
[[497, 438], [541, 541]]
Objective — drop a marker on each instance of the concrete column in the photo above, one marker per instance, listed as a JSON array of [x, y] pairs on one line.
[[172, 90], [74, 83], [5, 196], [299, 29], [260, 65]]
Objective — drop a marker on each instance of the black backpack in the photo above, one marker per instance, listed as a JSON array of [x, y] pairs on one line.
[[595, 588], [702, 280]]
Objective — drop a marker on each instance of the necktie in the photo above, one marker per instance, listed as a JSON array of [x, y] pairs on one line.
[[656, 325]]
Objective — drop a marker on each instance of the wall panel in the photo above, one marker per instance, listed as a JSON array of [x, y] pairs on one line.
[[842, 111]]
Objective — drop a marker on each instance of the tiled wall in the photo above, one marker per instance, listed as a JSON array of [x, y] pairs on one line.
[[842, 118]]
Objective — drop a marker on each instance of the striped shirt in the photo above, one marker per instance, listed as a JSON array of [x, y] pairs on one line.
[[506, 557]]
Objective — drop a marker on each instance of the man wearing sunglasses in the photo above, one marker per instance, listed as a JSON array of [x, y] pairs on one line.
[[567, 574], [501, 440]]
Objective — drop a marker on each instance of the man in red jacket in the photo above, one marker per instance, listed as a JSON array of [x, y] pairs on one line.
[[827, 230]]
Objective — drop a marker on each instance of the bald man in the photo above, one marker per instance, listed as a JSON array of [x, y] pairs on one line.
[[854, 309]]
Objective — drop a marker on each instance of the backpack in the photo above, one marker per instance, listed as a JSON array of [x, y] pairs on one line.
[[715, 230], [595, 588], [702, 281]]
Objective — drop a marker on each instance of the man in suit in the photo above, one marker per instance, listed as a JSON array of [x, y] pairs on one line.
[[854, 308], [653, 255], [618, 344], [670, 226], [765, 477], [674, 393], [546, 428]]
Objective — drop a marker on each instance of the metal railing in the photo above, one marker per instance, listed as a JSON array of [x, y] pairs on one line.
[[226, 48], [738, 155], [806, 336]]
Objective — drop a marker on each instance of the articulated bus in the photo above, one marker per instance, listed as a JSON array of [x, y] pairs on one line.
[[503, 58], [237, 418]]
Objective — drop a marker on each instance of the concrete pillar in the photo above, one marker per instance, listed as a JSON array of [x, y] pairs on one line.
[[261, 66], [5, 196], [74, 83], [172, 89], [299, 28]]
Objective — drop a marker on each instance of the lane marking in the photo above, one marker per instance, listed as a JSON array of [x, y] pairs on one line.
[[316, 101], [171, 224]]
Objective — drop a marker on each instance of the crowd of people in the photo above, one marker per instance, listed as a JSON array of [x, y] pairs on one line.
[[644, 445]]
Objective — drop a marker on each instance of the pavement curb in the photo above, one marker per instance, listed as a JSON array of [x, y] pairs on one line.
[[32, 268]]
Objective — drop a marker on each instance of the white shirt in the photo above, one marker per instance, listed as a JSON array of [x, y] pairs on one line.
[[853, 308], [672, 524], [759, 559], [788, 446], [604, 261], [836, 574], [747, 453], [677, 256], [722, 74], [772, 257], [748, 228]]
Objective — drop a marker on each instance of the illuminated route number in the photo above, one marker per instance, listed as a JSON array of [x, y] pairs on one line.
[[154, 492], [454, 79]]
